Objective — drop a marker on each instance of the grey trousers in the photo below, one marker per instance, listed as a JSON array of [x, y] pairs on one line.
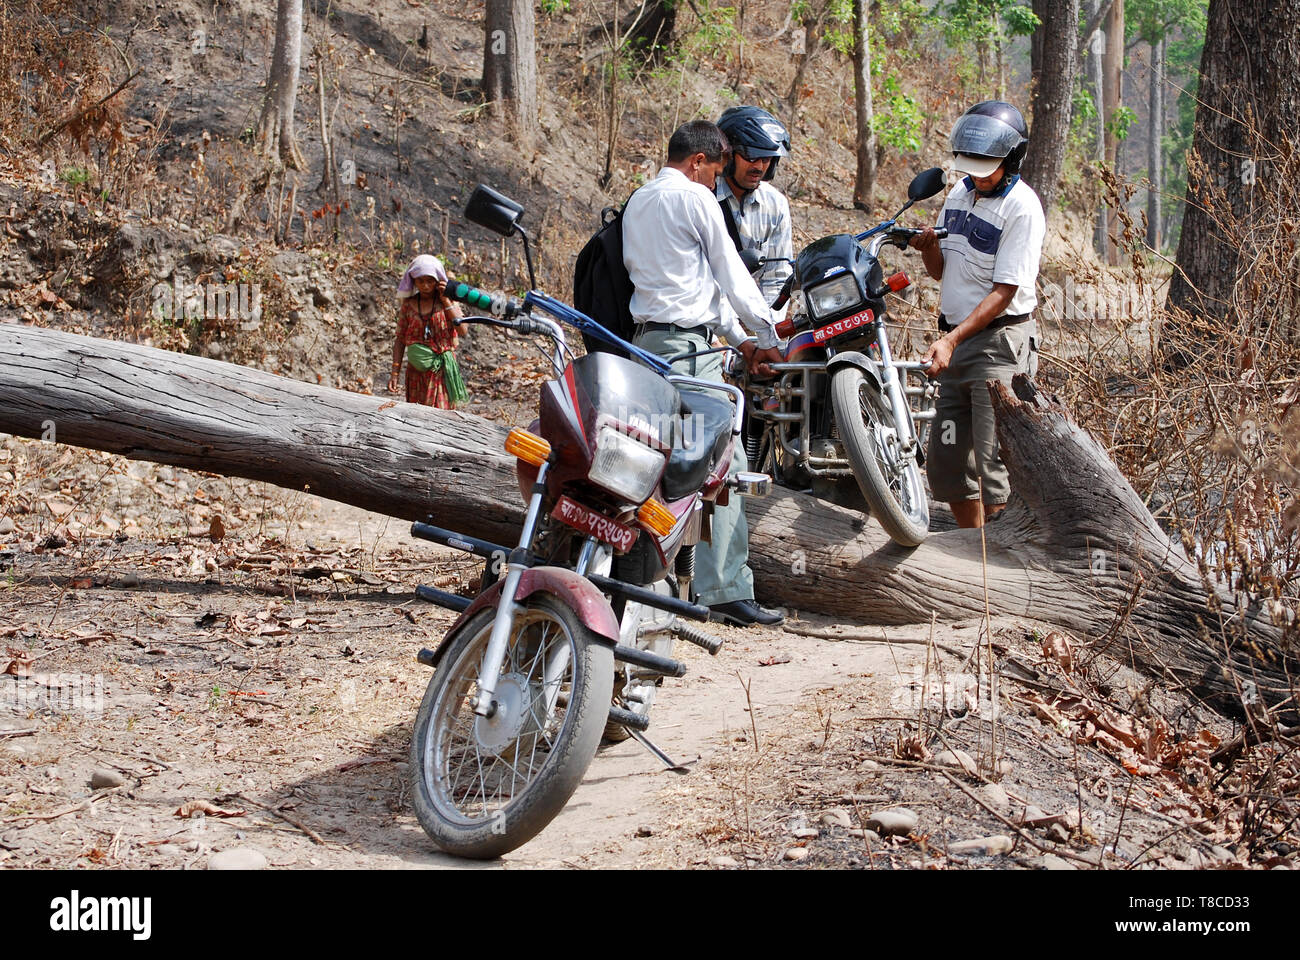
[[722, 571]]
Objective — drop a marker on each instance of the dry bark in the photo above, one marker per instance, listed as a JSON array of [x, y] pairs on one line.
[[1248, 105], [510, 64], [865, 180], [1054, 47], [1076, 548], [275, 133]]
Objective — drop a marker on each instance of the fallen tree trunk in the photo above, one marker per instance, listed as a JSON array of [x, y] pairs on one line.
[[1076, 547], [399, 459]]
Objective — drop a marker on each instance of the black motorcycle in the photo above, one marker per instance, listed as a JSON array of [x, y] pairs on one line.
[[840, 412]]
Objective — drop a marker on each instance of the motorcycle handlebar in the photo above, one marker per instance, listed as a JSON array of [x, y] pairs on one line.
[[497, 304], [897, 235], [901, 235]]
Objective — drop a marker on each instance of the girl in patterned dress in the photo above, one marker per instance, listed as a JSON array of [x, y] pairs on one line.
[[426, 316]]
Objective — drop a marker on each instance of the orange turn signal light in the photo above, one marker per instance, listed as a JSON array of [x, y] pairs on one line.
[[656, 518], [528, 447], [898, 281]]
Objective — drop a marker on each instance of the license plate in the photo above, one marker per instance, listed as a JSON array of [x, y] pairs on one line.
[[831, 330], [618, 535]]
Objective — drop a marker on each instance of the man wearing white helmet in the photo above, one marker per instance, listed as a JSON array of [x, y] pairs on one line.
[[758, 214], [987, 267]]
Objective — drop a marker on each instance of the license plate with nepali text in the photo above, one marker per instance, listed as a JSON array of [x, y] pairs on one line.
[[618, 535], [831, 330]]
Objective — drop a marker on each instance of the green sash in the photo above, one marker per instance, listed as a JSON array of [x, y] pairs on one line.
[[423, 357]]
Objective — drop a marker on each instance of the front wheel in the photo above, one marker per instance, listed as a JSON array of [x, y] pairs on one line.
[[486, 785], [890, 481]]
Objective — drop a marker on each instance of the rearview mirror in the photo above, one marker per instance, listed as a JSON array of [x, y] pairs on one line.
[[493, 210], [926, 184]]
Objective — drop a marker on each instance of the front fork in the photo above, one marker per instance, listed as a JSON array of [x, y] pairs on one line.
[[484, 702], [893, 386]]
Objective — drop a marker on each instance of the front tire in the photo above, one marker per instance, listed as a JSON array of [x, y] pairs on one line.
[[891, 484], [484, 786]]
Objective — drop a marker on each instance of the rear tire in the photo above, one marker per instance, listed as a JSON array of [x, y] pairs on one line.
[[484, 786], [894, 490]]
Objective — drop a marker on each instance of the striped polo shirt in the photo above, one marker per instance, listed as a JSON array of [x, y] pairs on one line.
[[997, 239], [763, 221]]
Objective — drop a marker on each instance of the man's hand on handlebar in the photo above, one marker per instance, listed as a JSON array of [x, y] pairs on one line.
[[758, 361], [938, 357], [924, 240]]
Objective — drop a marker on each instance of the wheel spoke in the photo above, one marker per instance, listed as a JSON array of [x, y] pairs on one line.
[[472, 768]]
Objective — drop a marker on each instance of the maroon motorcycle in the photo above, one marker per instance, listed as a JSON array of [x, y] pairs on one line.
[[620, 472]]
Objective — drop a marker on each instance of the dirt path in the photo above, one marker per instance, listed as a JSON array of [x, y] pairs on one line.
[[222, 692]]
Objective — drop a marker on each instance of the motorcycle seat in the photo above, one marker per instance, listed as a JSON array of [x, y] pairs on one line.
[[706, 428]]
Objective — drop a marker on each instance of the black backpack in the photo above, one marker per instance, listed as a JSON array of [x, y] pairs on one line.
[[602, 288]]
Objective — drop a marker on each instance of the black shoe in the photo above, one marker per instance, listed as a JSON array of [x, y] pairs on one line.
[[745, 613]]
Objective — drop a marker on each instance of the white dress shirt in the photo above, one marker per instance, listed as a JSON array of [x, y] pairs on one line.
[[682, 262]]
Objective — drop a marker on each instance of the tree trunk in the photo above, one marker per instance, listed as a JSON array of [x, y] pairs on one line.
[[801, 60], [1095, 44], [1155, 155], [1056, 43], [1113, 82], [1248, 66], [652, 33], [275, 134], [865, 181], [395, 458], [1076, 548], [510, 65]]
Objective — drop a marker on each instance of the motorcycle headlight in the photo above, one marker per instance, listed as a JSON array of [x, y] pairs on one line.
[[834, 296], [625, 466]]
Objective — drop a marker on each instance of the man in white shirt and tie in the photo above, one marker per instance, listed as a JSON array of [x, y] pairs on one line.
[[683, 264]]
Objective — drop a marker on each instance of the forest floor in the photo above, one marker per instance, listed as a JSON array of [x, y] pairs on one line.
[[167, 696], [194, 665]]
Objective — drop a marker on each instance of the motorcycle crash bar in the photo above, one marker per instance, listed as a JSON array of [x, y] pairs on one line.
[[451, 601], [659, 601], [459, 541]]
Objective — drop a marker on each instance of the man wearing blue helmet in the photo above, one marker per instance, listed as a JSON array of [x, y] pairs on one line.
[[759, 212], [987, 267]]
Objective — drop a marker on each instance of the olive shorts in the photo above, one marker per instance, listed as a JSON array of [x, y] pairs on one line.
[[963, 440]]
